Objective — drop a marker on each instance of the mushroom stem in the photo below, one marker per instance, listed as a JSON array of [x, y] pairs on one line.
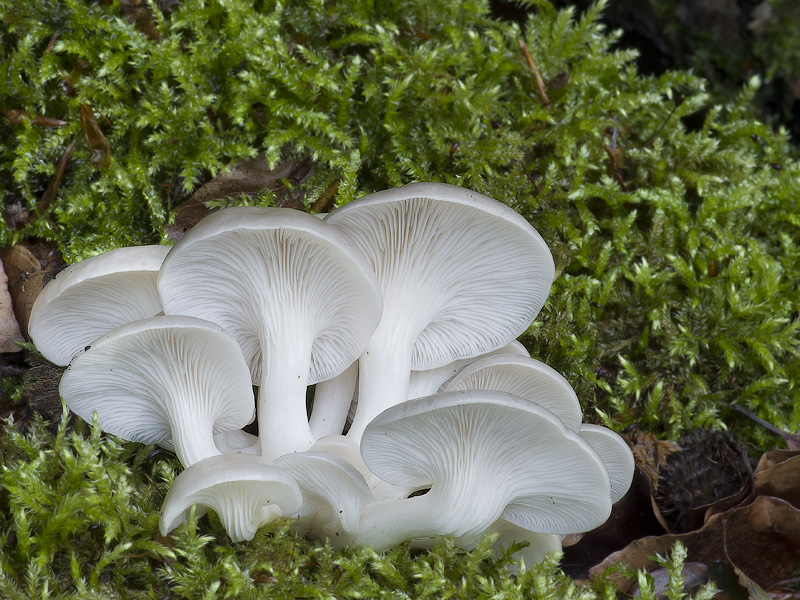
[[282, 416], [385, 524], [192, 436], [384, 370], [439, 512], [332, 399]]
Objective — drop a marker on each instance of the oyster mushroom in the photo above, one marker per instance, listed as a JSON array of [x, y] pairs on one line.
[[285, 285], [535, 381], [615, 454], [333, 492], [486, 455], [425, 383], [245, 491], [525, 377], [461, 274], [92, 297], [168, 378]]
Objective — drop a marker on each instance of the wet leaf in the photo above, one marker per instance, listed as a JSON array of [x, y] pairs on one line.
[[695, 576], [99, 148]]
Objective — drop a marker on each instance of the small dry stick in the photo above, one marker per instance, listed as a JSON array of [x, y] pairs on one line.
[[532, 65], [326, 200]]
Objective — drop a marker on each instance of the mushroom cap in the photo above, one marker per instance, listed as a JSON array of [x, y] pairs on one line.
[[346, 449], [254, 269], [429, 381], [92, 297], [462, 273], [328, 482], [495, 453], [615, 454], [159, 379], [245, 491], [237, 441], [525, 377]]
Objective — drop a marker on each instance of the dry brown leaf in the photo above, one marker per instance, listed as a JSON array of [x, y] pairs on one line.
[[29, 268], [761, 539], [780, 478], [246, 176], [774, 457], [9, 328]]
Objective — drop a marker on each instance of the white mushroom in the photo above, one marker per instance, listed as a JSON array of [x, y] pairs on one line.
[[345, 448], [487, 455], [245, 491], [333, 491], [92, 297], [425, 383], [285, 285], [525, 377], [332, 400], [237, 441], [174, 378], [535, 381], [461, 275], [615, 454]]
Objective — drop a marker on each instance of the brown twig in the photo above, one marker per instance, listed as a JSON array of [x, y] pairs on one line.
[[325, 202], [534, 68]]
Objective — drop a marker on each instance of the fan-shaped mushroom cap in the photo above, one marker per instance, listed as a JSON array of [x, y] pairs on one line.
[[92, 297], [488, 455], [245, 491], [615, 454], [425, 383], [328, 483], [237, 441], [286, 285], [525, 377], [164, 378], [461, 275], [345, 448]]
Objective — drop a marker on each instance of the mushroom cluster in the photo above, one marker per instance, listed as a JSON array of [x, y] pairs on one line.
[[402, 308]]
